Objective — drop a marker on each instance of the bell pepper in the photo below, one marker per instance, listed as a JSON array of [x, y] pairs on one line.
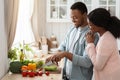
[[24, 68], [32, 66]]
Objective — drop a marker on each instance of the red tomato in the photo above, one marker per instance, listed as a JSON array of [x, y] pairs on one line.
[[40, 73], [24, 74], [36, 73], [47, 73], [31, 74]]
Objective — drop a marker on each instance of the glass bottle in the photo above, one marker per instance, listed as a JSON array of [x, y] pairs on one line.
[[22, 55]]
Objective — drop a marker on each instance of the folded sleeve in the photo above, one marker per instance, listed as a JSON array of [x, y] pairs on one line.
[[83, 61]]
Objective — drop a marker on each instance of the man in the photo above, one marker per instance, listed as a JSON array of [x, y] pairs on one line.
[[77, 64]]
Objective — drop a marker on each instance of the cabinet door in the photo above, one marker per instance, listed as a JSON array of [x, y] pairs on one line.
[[110, 5], [63, 9], [57, 10], [53, 9]]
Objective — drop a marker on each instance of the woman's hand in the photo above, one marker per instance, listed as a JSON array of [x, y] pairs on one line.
[[90, 37]]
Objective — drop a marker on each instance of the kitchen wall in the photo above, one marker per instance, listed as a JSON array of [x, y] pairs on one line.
[[47, 28], [58, 28], [3, 43]]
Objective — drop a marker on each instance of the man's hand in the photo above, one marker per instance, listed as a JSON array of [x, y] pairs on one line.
[[56, 57]]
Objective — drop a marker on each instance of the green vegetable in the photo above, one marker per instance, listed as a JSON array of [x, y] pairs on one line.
[[15, 67], [50, 68], [12, 54], [39, 63], [25, 62]]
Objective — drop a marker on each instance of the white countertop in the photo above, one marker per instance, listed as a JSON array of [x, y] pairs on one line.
[[43, 77]]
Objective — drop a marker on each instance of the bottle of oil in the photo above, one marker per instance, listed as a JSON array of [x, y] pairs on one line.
[[22, 55]]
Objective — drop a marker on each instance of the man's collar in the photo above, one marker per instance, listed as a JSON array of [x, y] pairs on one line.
[[83, 28]]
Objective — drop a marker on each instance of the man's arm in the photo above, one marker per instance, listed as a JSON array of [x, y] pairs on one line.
[[83, 61], [57, 56]]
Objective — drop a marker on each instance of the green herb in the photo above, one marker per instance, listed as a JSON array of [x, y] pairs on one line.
[[12, 54]]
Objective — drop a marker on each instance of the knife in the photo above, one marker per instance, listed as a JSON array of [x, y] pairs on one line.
[[47, 64]]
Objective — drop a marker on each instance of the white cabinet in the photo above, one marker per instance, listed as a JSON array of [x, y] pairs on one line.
[[59, 10], [110, 5]]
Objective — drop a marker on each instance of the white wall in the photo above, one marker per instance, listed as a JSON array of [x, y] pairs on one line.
[[58, 28], [3, 43]]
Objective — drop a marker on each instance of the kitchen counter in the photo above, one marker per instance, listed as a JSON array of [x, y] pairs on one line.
[[43, 77]]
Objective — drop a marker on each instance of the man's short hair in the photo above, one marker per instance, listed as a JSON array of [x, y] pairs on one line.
[[79, 6]]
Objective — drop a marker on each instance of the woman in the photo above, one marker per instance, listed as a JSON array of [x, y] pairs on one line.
[[105, 56]]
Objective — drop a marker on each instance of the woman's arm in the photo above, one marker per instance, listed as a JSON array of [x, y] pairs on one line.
[[100, 56]]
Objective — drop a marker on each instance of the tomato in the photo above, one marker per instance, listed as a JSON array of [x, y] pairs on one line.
[[36, 73], [47, 73], [24, 74], [31, 74], [40, 73]]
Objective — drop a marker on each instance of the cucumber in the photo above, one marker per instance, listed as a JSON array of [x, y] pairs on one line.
[[50, 68]]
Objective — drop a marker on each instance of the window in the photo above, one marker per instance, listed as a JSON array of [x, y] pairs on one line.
[[24, 29]]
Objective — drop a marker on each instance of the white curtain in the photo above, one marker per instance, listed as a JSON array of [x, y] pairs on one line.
[[34, 20], [11, 19], [24, 29]]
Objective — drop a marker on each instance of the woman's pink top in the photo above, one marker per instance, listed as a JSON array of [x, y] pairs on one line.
[[105, 58]]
